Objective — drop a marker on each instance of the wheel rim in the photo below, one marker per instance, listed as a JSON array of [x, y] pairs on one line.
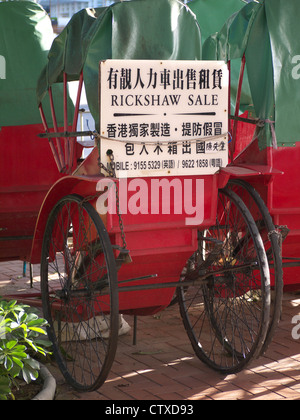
[[269, 235], [79, 291], [226, 315]]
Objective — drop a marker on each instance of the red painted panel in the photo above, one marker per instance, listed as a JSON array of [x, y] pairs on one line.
[[27, 171], [281, 194]]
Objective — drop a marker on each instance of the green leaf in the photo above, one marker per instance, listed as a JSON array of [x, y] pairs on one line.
[[4, 387], [11, 304], [37, 323], [29, 374], [24, 327], [31, 343], [11, 344], [4, 321], [18, 362], [34, 364], [4, 331], [4, 383], [19, 349], [21, 331], [15, 371], [39, 330], [23, 318], [42, 351], [43, 342], [8, 363], [31, 317]]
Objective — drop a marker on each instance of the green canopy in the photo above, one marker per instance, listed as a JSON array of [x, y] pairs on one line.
[[26, 36], [211, 16], [266, 32], [136, 29]]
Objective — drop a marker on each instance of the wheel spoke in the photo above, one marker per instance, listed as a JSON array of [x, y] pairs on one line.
[[227, 316]]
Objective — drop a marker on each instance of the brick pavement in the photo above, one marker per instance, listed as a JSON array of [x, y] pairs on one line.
[[162, 366]]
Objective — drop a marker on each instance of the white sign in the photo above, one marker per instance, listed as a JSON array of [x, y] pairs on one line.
[[164, 118]]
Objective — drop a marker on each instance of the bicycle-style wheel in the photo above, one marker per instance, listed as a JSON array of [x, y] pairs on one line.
[[226, 313], [79, 293], [272, 239]]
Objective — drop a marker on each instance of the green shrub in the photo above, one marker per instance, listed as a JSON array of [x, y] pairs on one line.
[[20, 340]]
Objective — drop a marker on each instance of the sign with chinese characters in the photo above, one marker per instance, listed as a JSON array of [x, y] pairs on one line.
[[164, 118]]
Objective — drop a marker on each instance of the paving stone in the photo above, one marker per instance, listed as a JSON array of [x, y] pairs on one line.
[[162, 365]]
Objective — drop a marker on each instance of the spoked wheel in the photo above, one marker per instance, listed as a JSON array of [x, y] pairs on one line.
[[271, 239], [79, 293], [226, 313]]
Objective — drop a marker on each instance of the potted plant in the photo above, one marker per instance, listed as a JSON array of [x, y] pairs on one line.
[[21, 331]]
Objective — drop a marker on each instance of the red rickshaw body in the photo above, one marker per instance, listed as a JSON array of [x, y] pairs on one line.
[[279, 192], [160, 245], [25, 181]]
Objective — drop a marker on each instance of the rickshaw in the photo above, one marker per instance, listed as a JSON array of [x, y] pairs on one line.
[[102, 253], [264, 127]]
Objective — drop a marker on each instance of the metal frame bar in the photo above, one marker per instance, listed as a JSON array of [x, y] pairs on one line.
[[67, 134], [237, 106], [64, 159], [229, 96], [66, 140], [75, 120], [46, 128], [58, 140]]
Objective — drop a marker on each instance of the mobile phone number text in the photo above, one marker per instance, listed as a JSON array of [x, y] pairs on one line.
[[168, 164]]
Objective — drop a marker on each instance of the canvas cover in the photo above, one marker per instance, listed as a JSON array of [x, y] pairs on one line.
[[26, 36], [136, 29], [211, 16], [266, 32]]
